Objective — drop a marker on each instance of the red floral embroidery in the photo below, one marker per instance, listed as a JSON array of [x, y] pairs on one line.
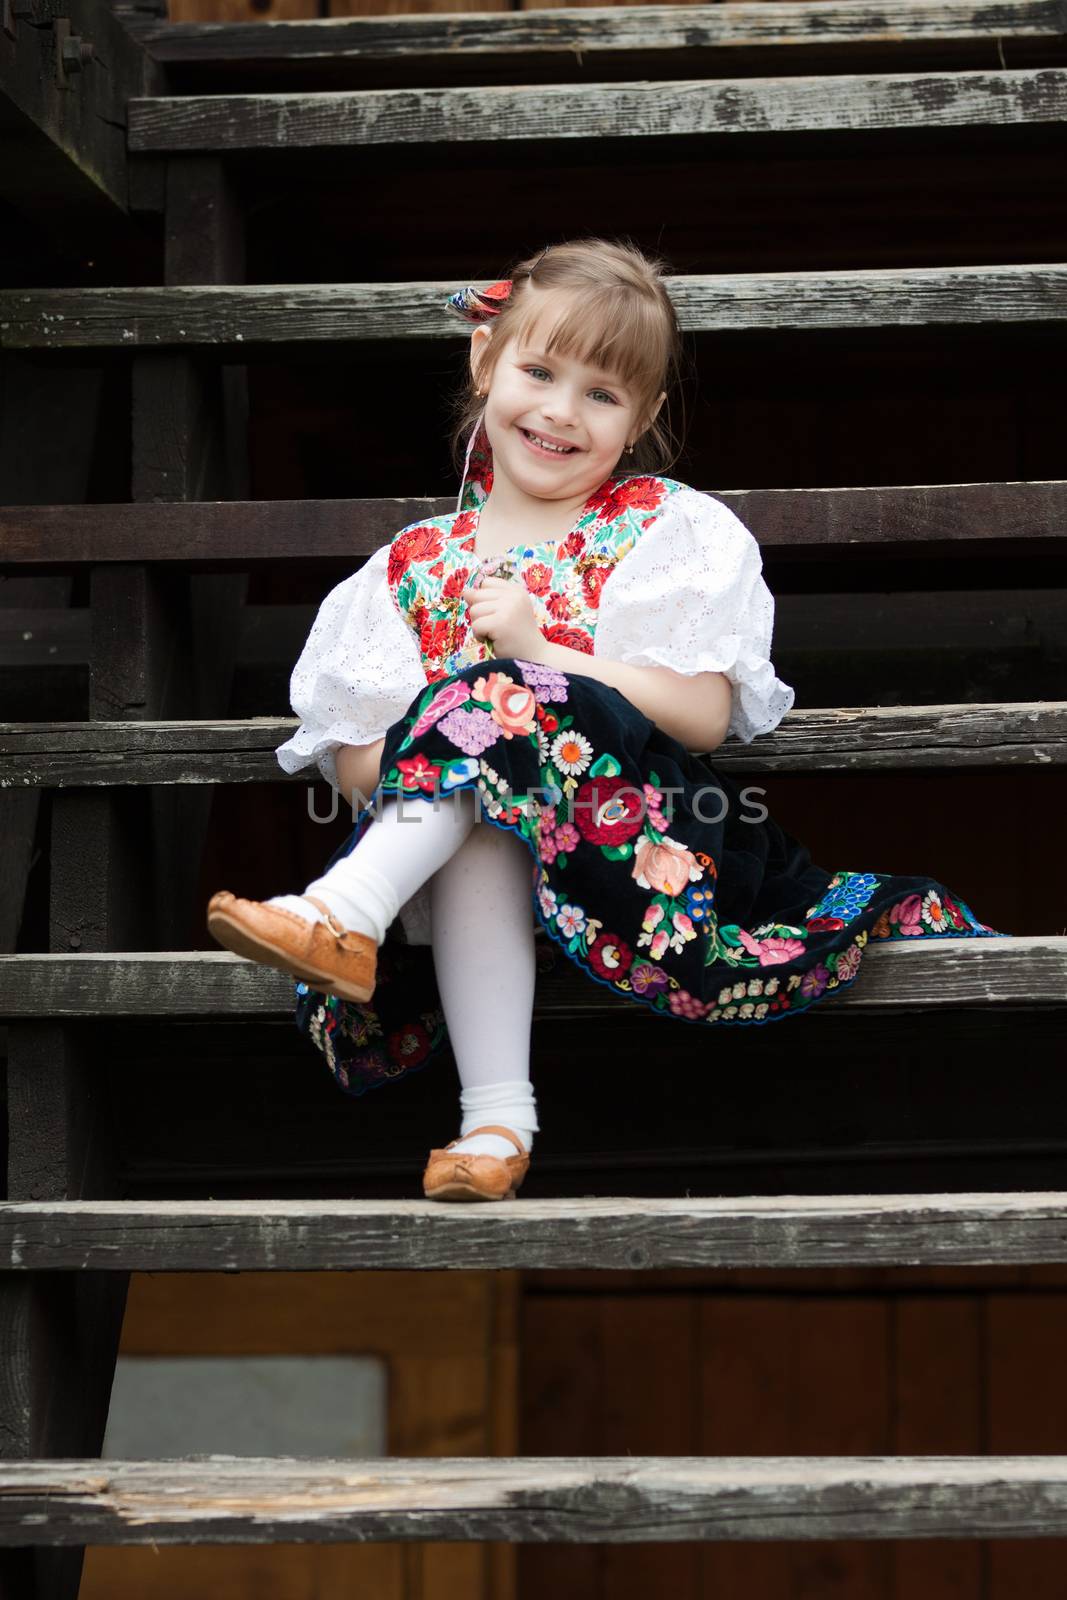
[[537, 577], [411, 1045], [436, 564], [436, 637], [640, 494], [573, 638], [610, 956], [632, 494], [593, 580], [417, 544], [608, 810]]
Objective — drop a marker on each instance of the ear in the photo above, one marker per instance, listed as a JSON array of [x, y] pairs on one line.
[[479, 339], [654, 413]]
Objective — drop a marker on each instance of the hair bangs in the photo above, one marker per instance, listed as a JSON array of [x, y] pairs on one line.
[[609, 327]]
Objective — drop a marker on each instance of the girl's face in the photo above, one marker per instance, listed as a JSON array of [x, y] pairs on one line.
[[557, 427]]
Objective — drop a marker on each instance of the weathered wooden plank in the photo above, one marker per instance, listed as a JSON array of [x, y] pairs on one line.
[[941, 518], [602, 1499], [333, 119], [128, 319], [58, 755], [617, 1233], [602, 29], [1014, 970]]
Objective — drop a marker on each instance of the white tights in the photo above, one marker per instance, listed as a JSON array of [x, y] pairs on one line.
[[482, 934]]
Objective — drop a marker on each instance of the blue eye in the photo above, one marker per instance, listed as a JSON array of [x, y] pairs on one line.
[[609, 397], [538, 369]]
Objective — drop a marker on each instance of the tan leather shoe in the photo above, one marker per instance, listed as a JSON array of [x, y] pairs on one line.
[[469, 1176], [334, 959]]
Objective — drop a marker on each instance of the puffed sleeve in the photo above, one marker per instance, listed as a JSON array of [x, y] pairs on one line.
[[358, 672], [691, 595]]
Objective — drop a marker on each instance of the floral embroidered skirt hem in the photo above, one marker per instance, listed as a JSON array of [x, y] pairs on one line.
[[653, 872]]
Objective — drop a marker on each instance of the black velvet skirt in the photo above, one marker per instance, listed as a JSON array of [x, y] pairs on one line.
[[654, 873]]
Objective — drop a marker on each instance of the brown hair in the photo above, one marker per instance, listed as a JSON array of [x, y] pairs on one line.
[[621, 319]]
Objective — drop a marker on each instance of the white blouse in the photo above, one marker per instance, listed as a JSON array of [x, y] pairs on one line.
[[358, 672], [689, 594]]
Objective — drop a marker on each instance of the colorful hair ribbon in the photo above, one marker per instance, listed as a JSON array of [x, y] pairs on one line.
[[480, 305]]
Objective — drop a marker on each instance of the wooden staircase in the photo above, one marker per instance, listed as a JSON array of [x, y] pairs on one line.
[[109, 818]]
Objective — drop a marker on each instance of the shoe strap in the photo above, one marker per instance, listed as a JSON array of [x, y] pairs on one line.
[[331, 921], [495, 1127]]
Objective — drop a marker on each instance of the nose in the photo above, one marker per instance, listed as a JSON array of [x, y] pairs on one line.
[[560, 406]]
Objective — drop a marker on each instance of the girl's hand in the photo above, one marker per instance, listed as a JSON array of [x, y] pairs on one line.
[[502, 612]]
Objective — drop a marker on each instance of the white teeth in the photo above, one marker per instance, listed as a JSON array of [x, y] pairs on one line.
[[543, 444]]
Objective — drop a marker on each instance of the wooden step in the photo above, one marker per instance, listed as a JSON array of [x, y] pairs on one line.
[[57, 755], [348, 313], [809, 25], [1021, 971], [961, 519], [229, 1499], [616, 1233], [215, 1499], [627, 111]]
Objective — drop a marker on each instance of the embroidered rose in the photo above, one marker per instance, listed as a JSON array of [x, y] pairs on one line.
[[409, 1045], [848, 963], [771, 952], [573, 638], [438, 638], [537, 578], [635, 494], [512, 705], [666, 866], [593, 581], [608, 810], [907, 915], [610, 957], [416, 544]]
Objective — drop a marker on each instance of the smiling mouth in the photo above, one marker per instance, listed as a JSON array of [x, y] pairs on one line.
[[543, 444]]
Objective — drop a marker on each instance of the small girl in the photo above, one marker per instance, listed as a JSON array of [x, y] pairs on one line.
[[519, 687]]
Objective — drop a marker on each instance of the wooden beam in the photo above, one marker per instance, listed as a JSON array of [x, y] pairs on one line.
[[620, 1233], [950, 518], [235, 316], [1021, 971], [604, 29], [529, 1499], [633, 111], [67, 75], [57, 755]]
